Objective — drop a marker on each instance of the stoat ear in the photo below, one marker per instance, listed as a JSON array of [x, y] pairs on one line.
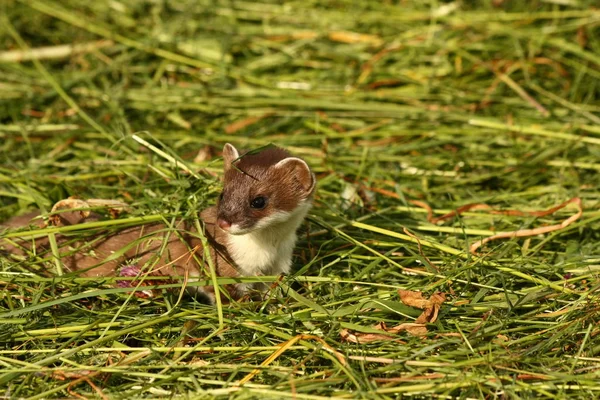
[[230, 154], [298, 170]]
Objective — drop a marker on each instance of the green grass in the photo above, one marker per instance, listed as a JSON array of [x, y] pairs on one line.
[[447, 103]]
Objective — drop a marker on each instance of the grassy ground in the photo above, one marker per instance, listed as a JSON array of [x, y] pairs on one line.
[[492, 102]]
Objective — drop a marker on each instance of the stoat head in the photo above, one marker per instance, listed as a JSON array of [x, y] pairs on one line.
[[262, 189]]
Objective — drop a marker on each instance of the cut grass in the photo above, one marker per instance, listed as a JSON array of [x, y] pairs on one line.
[[447, 103]]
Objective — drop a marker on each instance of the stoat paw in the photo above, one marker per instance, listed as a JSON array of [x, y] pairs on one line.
[[131, 271]]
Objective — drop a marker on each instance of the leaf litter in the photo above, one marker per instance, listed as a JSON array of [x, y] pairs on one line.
[[430, 307]]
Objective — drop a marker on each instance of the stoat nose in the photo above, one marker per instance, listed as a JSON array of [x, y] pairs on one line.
[[223, 224]]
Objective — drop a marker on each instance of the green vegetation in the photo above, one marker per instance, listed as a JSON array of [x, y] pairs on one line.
[[448, 103]]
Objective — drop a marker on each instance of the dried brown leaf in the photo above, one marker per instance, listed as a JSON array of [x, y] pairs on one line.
[[431, 305], [411, 298]]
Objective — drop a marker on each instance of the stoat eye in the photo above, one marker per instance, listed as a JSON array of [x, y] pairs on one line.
[[258, 202]]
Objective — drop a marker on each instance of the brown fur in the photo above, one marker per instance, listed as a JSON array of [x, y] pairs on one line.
[[254, 175], [141, 244], [103, 253]]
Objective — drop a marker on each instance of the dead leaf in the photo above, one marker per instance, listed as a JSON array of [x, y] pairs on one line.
[[431, 305], [411, 298], [414, 329]]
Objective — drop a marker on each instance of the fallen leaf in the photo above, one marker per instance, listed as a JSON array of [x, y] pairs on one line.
[[413, 299], [430, 307], [414, 329]]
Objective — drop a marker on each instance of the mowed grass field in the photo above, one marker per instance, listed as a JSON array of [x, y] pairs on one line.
[[405, 110]]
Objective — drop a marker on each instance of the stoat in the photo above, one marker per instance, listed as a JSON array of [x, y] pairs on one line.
[[251, 230]]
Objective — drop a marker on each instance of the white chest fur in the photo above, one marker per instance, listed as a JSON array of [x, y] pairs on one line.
[[268, 249]]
